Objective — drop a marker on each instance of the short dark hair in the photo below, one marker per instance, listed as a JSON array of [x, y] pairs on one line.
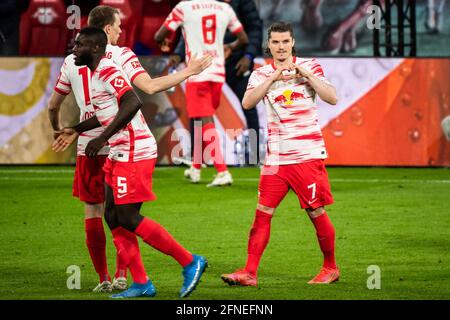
[[279, 27], [97, 35], [101, 16]]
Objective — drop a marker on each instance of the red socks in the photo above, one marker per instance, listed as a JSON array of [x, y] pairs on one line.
[[96, 243], [155, 235], [258, 240], [210, 143], [325, 234], [128, 253]]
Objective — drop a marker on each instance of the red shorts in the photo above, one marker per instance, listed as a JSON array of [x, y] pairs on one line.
[[131, 182], [309, 181], [202, 98], [89, 179]]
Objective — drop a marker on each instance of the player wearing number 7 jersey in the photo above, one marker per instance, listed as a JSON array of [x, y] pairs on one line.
[[88, 183], [295, 150], [204, 24]]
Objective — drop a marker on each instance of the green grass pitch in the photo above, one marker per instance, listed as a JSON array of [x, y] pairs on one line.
[[395, 218]]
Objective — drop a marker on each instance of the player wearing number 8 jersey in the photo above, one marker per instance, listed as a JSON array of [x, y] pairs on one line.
[[89, 176], [295, 150], [204, 23]]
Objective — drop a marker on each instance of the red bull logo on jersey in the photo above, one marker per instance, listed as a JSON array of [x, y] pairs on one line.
[[288, 97]]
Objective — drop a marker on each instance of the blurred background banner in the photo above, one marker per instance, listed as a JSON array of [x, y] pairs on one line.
[[339, 27], [25, 133], [321, 27], [389, 113]]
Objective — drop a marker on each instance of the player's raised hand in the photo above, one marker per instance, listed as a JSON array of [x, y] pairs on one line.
[[198, 65], [94, 146], [300, 71], [64, 139], [282, 74]]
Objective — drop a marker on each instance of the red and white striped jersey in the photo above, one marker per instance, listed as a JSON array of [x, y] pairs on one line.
[[126, 60], [134, 142], [294, 134], [204, 24], [77, 79]]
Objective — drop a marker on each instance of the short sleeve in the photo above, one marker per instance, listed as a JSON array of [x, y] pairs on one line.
[[63, 85], [130, 64], [314, 66], [234, 25], [256, 78], [114, 82], [175, 19]]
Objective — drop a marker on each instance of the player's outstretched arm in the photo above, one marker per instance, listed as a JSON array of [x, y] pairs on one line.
[[129, 105], [54, 108], [152, 86]]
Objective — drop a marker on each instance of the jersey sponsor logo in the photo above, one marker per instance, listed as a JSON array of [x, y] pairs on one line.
[[136, 64], [118, 83], [288, 97]]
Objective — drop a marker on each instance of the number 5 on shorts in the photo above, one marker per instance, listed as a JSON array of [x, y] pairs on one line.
[[122, 185]]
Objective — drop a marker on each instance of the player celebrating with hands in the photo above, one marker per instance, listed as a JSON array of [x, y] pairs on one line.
[[295, 150]]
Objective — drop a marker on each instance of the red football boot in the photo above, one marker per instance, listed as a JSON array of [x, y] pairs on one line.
[[241, 278], [325, 276]]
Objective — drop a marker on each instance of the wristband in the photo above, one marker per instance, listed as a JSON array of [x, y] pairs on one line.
[[250, 56]]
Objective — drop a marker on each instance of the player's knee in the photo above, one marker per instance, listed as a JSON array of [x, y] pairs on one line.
[[94, 210], [128, 220], [265, 209], [314, 213]]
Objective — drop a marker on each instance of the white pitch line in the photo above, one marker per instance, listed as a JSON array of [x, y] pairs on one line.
[[57, 171], [370, 180], [37, 171], [35, 178], [248, 179]]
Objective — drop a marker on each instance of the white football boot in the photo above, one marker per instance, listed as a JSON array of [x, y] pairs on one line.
[[193, 174], [119, 283], [222, 179], [105, 287]]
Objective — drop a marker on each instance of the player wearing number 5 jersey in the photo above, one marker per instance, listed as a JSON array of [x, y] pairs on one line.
[[204, 23], [295, 150], [88, 183], [128, 169]]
